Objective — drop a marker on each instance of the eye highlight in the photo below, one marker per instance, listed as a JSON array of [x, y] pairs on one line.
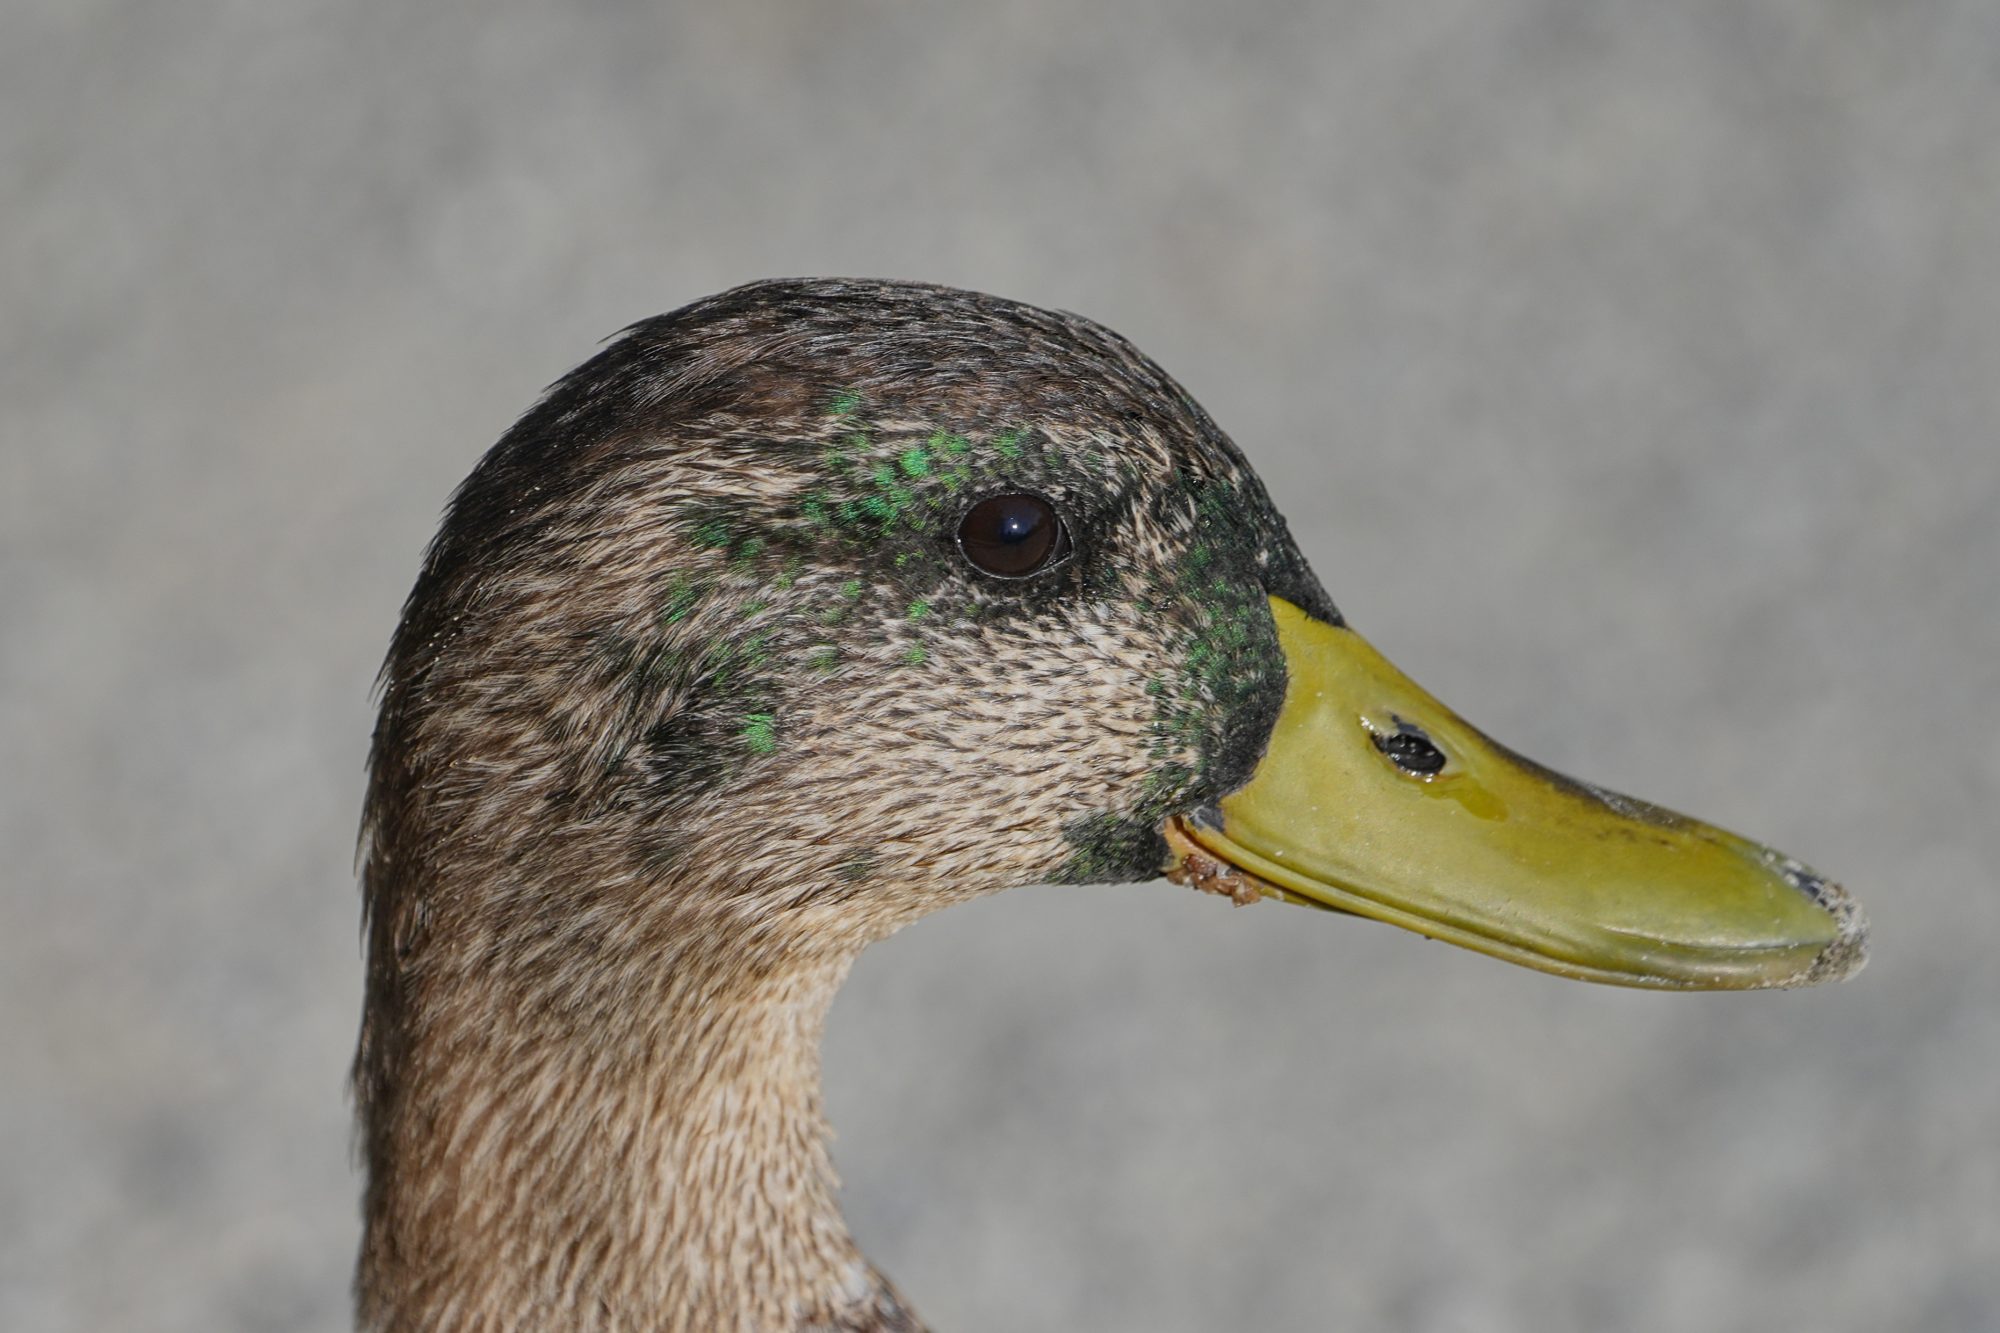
[[1013, 536]]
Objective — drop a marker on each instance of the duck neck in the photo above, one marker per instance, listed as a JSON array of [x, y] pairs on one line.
[[556, 1159]]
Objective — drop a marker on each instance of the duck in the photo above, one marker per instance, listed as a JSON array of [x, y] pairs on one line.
[[811, 608]]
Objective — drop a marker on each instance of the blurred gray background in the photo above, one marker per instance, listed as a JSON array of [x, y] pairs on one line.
[[1630, 371]]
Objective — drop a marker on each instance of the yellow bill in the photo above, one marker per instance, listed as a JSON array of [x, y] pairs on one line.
[[1375, 799]]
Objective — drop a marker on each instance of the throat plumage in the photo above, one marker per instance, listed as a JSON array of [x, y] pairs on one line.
[[653, 1161]]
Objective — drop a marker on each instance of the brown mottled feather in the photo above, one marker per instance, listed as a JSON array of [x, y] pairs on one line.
[[694, 699]]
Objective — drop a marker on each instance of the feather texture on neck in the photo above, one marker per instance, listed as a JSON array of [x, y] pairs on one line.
[[651, 1158]]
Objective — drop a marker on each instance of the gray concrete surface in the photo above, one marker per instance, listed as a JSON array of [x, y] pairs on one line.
[[1631, 371]]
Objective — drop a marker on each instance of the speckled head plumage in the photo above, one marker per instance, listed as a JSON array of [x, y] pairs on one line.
[[696, 694], [722, 555]]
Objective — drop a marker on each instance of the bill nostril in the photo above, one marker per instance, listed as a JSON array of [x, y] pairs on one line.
[[1410, 749]]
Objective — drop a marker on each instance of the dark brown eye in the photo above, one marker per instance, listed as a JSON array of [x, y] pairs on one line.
[[1013, 536]]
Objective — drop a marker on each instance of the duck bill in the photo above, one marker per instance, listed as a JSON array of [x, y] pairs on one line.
[[1373, 798]]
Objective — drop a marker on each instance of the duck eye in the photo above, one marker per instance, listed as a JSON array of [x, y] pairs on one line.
[[1410, 750], [1013, 536]]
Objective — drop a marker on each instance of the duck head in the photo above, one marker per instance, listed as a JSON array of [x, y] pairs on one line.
[[806, 610], [818, 605]]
